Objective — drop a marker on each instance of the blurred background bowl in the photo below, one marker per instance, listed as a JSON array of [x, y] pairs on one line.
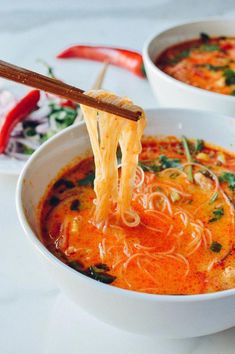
[[174, 93]]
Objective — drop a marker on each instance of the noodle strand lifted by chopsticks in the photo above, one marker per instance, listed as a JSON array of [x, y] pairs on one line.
[[106, 131]]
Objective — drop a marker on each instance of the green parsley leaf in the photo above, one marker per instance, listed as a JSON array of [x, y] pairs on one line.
[[229, 76], [88, 180], [209, 47], [217, 214], [181, 55], [167, 162], [150, 168], [215, 247], [229, 178], [62, 182], [204, 37], [99, 275], [54, 200], [27, 150], [199, 145], [214, 198], [75, 205], [212, 67], [189, 158], [50, 70]]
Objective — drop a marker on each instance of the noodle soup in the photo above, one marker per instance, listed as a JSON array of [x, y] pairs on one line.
[[207, 63], [183, 243]]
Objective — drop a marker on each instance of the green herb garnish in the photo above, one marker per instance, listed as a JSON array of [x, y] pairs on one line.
[[27, 150], [97, 272], [207, 174], [88, 180], [54, 200], [181, 55], [50, 70], [174, 175], [199, 145], [175, 196], [30, 131], [209, 47], [164, 162], [150, 168], [63, 116], [102, 266], [46, 136], [189, 158], [204, 37], [232, 93], [217, 214], [167, 162], [214, 198], [229, 178], [78, 266], [99, 275], [215, 247], [64, 183], [229, 76], [75, 205], [215, 67]]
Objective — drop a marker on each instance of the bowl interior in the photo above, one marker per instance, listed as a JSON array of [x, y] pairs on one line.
[[188, 31], [45, 165], [54, 155]]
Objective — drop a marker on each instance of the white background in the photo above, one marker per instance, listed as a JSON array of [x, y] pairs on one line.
[[34, 316]]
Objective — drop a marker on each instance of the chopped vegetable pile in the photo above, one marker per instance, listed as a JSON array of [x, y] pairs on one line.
[[28, 122], [49, 116]]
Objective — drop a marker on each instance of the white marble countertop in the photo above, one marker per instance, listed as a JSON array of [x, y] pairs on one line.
[[34, 316]]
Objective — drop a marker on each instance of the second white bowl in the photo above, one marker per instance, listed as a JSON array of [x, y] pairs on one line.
[[174, 93]]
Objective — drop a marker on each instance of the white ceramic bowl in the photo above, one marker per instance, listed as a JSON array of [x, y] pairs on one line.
[[166, 316], [174, 93]]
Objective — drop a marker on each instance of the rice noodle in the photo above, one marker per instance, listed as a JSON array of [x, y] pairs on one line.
[[106, 131]]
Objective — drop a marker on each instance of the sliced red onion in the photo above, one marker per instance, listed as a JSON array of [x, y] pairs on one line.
[[17, 131], [40, 113], [12, 146], [42, 128], [53, 124], [27, 142], [18, 155]]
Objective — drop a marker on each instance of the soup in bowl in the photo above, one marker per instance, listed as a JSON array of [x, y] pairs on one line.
[[192, 65], [143, 279]]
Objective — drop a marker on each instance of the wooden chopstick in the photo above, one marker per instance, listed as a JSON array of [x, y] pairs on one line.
[[56, 87], [96, 86], [100, 78]]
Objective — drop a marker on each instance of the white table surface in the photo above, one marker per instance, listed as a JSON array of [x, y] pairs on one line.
[[35, 317]]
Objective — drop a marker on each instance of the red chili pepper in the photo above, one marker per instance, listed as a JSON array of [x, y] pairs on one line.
[[226, 46], [20, 111], [124, 58]]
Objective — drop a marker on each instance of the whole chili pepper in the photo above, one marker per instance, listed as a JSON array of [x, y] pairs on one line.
[[124, 58], [20, 111]]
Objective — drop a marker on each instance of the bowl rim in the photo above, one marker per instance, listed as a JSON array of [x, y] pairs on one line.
[[32, 237], [154, 37]]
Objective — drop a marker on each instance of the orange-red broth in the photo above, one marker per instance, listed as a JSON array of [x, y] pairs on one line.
[[207, 63], [191, 253]]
